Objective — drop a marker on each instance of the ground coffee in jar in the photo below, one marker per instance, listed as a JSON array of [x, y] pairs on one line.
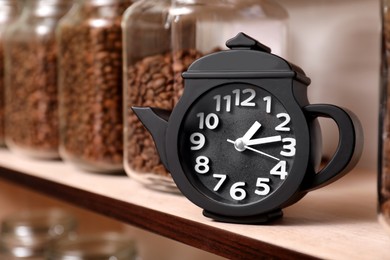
[[161, 40], [31, 125], [90, 85]]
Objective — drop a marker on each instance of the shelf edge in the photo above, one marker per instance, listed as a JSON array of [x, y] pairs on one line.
[[217, 241]]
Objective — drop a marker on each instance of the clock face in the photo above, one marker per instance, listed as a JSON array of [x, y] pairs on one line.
[[237, 144]]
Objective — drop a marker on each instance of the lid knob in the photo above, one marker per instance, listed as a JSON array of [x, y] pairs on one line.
[[243, 41]]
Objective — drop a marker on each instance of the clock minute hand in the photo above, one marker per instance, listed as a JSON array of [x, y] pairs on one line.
[[264, 140], [254, 150]]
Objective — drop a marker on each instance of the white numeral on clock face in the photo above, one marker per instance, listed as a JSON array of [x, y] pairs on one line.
[[280, 169], [198, 140], [218, 102], [267, 100], [290, 147], [229, 100], [202, 164], [265, 188], [283, 126], [222, 178], [211, 120], [236, 92], [248, 102], [237, 192]]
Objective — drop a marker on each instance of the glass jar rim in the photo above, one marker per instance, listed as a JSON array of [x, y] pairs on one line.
[[101, 246], [29, 223]]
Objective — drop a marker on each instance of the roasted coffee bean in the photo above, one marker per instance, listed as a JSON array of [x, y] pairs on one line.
[[154, 81], [91, 91]]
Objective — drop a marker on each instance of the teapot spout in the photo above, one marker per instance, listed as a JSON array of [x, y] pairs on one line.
[[155, 121]]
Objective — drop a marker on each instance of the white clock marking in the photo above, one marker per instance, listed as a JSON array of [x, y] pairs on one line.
[[263, 153], [252, 130], [254, 150], [264, 140]]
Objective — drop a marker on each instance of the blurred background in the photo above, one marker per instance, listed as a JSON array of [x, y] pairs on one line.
[[337, 43]]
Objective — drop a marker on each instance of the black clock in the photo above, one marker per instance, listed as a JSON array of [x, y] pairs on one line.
[[243, 142]]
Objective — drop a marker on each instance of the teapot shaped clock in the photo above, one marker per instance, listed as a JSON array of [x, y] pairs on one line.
[[243, 142]]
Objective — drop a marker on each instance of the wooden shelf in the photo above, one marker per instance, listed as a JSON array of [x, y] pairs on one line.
[[335, 222]]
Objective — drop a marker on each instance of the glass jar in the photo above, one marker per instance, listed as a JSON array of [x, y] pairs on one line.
[[8, 12], [384, 122], [94, 247], [90, 85], [161, 39], [31, 119], [29, 234]]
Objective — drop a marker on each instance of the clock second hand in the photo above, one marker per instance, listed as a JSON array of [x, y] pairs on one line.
[[263, 153], [256, 151]]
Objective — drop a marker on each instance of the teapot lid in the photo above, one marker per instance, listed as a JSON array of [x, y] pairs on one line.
[[247, 58]]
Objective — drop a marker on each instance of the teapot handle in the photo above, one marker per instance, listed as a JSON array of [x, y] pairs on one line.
[[349, 148]]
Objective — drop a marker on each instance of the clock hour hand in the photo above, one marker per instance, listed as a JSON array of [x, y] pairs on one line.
[[264, 140], [252, 130]]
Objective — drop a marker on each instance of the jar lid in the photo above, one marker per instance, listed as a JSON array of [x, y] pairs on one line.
[[94, 246]]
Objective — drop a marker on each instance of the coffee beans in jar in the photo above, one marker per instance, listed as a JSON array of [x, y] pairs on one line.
[[153, 81], [8, 12], [31, 119], [90, 85]]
